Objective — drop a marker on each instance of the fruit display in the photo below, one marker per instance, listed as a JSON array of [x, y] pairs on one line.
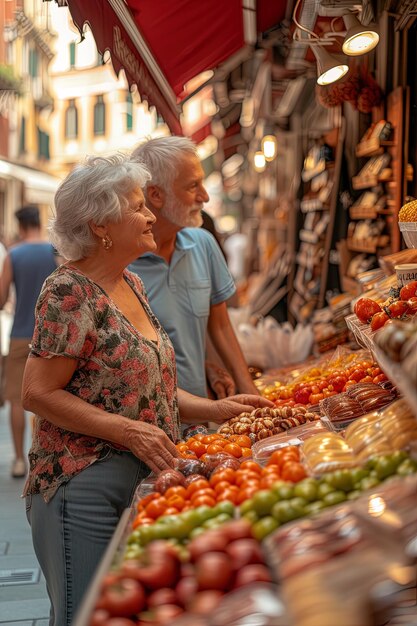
[[269, 509], [162, 582], [359, 399], [201, 445], [325, 379], [225, 485], [263, 423], [386, 432], [400, 304]]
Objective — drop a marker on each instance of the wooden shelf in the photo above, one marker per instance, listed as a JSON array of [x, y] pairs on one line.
[[362, 213], [372, 147], [369, 246]]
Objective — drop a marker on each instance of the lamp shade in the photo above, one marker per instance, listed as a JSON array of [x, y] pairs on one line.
[[359, 39], [329, 68]]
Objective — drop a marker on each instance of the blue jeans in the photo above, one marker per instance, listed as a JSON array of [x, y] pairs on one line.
[[71, 532]]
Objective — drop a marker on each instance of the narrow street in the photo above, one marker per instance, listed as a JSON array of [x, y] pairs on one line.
[[23, 597]]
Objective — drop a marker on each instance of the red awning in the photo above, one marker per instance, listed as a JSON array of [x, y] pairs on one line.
[[163, 44]]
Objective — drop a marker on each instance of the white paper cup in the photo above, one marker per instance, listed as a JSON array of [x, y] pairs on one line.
[[406, 273]]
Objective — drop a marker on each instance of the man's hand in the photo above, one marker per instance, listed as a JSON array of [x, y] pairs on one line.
[[235, 405], [220, 381]]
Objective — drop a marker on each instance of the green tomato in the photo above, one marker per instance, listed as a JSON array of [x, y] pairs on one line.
[[251, 516], [358, 473], [263, 501], [352, 495], [369, 482], [335, 497], [246, 506], [197, 531], [135, 536], [314, 507], [342, 480], [407, 467], [264, 527], [385, 467], [204, 513], [323, 489], [299, 504], [399, 456], [133, 552], [284, 512], [306, 489], [191, 519], [284, 491], [225, 507]]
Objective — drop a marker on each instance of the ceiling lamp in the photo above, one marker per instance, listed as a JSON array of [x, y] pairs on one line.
[[259, 161], [359, 39], [329, 68], [269, 147]]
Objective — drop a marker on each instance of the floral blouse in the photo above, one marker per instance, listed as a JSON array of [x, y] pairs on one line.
[[119, 370]]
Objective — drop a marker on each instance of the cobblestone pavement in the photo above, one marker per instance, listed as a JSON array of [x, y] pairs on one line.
[[25, 602]]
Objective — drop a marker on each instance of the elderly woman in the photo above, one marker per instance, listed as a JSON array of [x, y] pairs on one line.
[[100, 378]]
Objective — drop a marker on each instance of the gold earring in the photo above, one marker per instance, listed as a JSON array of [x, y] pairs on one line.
[[107, 242]]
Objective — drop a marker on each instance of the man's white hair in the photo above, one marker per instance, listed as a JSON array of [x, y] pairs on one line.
[[161, 157]]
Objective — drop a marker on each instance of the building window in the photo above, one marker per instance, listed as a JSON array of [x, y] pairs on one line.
[[71, 121], [33, 63], [72, 54], [99, 116], [43, 144], [22, 138], [129, 112]]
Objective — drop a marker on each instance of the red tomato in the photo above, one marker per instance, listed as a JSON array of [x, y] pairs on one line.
[[177, 490], [412, 304], [293, 472], [379, 320], [253, 466], [157, 507], [365, 308], [197, 485], [379, 379], [124, 598], [398, 309], [409, 290]]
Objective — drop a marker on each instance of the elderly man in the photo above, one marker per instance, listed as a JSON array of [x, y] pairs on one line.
[[186, 279]]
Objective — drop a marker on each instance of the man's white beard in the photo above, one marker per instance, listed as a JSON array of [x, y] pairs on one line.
[[179, 214]]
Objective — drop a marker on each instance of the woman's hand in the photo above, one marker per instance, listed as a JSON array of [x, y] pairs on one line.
[[234, 405], [150, 444]]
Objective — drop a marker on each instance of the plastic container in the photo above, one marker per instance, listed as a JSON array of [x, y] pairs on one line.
[[409, 232]]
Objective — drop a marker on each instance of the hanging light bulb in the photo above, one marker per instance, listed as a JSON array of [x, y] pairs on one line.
[[329, 68], [359, 39], [259, 161], [269, 147]]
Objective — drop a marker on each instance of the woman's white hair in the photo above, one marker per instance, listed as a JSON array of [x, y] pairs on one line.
[[161, 156], [95, 190]]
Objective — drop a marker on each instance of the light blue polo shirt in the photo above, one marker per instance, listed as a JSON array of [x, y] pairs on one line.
[[180, 295]]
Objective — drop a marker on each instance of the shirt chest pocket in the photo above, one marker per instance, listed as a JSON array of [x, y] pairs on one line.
[[198, 297]]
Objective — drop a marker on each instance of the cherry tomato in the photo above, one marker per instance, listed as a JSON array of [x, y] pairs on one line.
[[365, 308], [293, 472], [379, 320], [253, 466], [409, 290], [157, 507], [398, 309], [234, 449], [197, 485]]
